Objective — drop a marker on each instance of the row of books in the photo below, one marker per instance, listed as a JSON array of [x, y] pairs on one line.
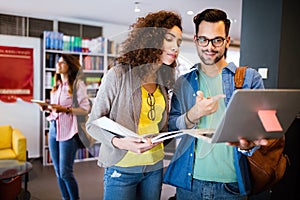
[[93, 82], [89, 62], [93, 63], [91, 152], [51, 59], [58, 41], [90, 82], [49, 79], [84, 153]]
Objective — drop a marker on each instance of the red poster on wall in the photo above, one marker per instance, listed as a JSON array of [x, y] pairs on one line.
[[16, 73]]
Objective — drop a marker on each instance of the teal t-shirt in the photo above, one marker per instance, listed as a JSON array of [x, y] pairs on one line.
[[213, 162]]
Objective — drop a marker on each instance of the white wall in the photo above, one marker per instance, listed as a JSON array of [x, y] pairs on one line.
[[233, 55], [23, 115]]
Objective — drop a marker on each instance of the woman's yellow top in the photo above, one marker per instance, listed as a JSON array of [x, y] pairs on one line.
[[146, 126]]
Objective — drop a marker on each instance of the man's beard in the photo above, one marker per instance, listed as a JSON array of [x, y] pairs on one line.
[[211, 62]]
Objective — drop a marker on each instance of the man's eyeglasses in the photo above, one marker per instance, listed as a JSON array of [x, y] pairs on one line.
[[151, 103], [216, 42]]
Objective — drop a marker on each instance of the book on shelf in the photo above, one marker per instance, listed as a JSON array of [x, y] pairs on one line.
[[93, 63], [48, 156], [54, 40], [46, 138]]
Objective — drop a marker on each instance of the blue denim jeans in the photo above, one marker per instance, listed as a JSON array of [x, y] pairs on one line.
[[132, 183], [207, 190], [63, 154]]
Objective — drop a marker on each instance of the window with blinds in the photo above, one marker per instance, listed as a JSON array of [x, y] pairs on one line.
[[12, 25], [34, 27], [91, 31], [80, 30], [38, 26]]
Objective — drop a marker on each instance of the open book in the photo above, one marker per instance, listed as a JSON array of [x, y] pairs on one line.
[[120, 130]]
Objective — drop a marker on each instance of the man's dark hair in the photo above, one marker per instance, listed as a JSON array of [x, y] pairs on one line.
[[212, 15]]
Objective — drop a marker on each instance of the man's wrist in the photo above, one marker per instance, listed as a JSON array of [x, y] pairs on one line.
[[245, 150], [187, 118], [249, 151]]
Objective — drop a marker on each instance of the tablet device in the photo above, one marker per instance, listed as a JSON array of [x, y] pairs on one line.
[[254, 114]]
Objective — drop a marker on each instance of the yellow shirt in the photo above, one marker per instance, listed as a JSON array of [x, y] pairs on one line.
[[146, 126]]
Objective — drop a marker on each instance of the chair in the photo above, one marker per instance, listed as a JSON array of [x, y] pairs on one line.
[[12, 146], [12, 143]]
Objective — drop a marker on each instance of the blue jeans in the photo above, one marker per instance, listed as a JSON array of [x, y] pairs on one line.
[[132, 183], [63, 154], [207, 190]]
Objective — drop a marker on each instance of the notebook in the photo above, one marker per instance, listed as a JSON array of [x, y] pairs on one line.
[[254, 114]]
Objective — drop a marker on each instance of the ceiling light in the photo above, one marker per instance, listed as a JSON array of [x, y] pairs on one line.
[[136, 7], [190, 12]]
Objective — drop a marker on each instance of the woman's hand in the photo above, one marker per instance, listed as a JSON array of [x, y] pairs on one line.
[[44, 107], [133, 144], [57, 108]]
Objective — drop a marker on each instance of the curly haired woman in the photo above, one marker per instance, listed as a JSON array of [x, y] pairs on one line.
[[134, 93]]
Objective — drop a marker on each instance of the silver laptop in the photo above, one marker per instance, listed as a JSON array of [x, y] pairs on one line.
[[254, 114]]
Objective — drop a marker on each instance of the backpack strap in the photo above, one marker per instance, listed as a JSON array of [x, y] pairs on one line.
[[74, 97], [239, 77]]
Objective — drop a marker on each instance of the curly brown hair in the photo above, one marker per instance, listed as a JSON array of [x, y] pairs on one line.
[[145, 40]]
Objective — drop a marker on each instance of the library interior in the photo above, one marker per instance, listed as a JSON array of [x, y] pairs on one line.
[[33, 37]]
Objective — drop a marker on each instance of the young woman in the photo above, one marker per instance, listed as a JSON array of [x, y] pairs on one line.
[[63, 131], [134, 93]]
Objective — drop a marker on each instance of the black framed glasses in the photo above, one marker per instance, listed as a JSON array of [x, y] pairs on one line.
[[151, 103], [216, 42]]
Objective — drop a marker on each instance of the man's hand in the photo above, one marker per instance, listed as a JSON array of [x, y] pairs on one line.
[[204, 106], [244, 144]]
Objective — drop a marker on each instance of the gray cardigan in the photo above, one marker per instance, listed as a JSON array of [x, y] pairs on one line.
[[119, 98]]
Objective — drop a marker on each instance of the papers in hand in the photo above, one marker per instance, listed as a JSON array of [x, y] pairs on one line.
[[120, 130], [41, 103]]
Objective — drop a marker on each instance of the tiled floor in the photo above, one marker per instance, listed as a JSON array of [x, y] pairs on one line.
[[42, 183]]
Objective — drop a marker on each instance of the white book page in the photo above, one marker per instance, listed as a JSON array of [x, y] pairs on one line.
[[114, 127], [40, 102], [166, 135], [205, 134]]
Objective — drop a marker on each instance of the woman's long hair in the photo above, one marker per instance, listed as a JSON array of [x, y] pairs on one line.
[[74, 71]]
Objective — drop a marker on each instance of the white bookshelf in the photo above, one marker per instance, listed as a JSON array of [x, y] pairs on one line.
[[94, 65]]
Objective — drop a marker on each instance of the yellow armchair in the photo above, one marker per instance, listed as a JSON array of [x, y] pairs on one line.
[[12, 143]]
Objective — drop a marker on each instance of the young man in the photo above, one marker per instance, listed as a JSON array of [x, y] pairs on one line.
[[201, 170]]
